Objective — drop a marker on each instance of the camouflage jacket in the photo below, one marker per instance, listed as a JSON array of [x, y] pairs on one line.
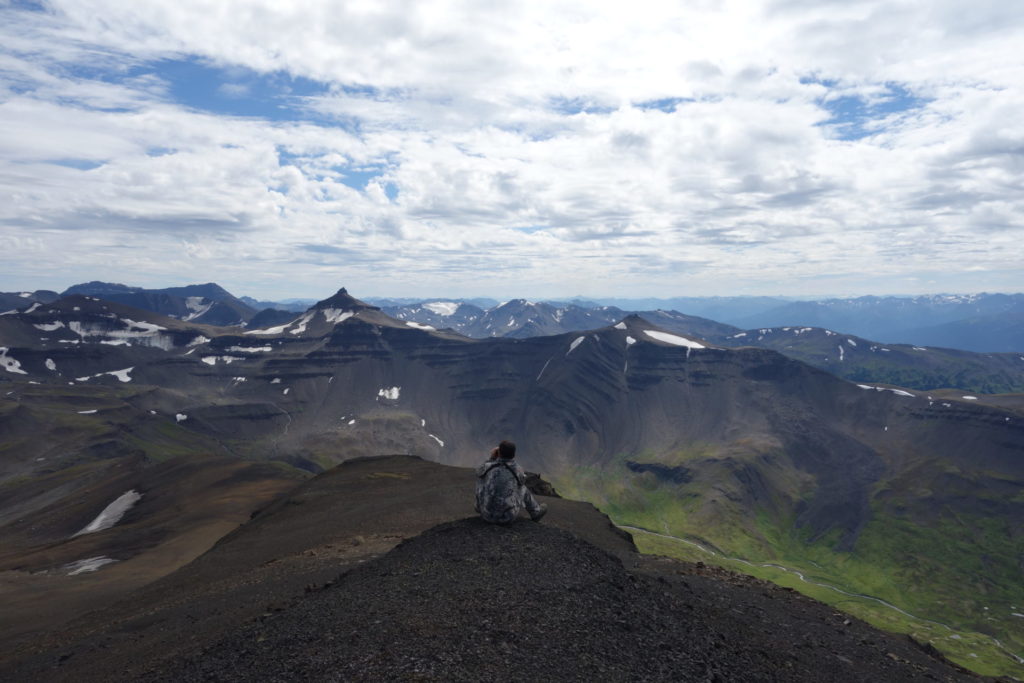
[[500, 488]]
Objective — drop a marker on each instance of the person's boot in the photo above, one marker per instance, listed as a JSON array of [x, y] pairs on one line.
[[541, 511]]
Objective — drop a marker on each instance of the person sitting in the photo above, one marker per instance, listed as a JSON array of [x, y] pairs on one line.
[[501, 491]]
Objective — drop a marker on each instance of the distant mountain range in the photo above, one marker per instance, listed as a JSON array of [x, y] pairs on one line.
[[858, 359], [981, 322], [985, 323]]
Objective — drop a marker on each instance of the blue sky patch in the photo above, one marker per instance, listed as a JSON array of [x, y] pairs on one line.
[[80, 164], [853, 116], [359, 177], [577, 105], [665, 104], [237, 91]]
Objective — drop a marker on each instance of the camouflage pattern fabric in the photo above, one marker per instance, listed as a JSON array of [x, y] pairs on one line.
[[501, 491]]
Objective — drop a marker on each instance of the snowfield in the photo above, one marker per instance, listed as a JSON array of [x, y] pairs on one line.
[[9, 364], [90, 564], [673, 339], [898, 392], [337, 315], [113, 513], [444, 308]]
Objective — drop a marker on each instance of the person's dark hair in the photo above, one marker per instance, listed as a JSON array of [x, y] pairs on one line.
[[507, 450]]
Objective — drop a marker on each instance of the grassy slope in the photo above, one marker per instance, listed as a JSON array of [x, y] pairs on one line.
[[958, 570]]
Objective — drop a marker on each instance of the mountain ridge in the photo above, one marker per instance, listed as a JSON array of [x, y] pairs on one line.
[[456, 601]]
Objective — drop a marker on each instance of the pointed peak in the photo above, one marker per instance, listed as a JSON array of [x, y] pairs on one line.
[[342, 299], [634, 322]]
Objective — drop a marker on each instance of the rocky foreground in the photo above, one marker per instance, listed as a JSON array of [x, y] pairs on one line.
[[315, 588]]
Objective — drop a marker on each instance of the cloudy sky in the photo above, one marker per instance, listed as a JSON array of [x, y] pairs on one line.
[[537, 149]]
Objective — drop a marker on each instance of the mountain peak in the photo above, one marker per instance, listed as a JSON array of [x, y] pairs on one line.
[[342, 299]]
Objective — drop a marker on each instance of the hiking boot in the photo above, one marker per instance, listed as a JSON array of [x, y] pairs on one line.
[[543, 510]]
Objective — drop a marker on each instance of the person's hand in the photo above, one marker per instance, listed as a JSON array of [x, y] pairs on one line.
[[494, 453]]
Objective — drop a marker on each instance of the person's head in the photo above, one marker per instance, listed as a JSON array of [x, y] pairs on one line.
[[506, 450]]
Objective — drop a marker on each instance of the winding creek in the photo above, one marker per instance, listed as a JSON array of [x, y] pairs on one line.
[[799, 575]]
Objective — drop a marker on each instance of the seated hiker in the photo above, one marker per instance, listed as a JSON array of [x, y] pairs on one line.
[[501, 488]]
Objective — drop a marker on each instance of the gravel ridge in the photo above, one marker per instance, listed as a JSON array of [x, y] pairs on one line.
[[470, 601]]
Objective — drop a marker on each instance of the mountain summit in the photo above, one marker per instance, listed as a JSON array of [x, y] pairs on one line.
[[342, 299], [314, 588]]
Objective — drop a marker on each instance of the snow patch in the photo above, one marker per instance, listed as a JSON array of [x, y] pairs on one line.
[[25, 295], [630, 341], [144, 326], [575, 342], [49, 327], [50, 365], [196, 307], [147, 334], [673, 339], [918, 348], [212, 360], [121, 375], [33, 307], [86, 412], [276, 380], [9, 364], [969, 398], [419, 326], [90, 564], [390, 394], [285, 392], [277, 329], [116, 342], [439, 442], [620, 326], [898, 392], [336, 315], [113, 513], [180, 417], [302, 322], [543, 369], [250, 349], [444, 308], [198, 340], [851, 342], [841, 352], [351, 422], [741, 334]]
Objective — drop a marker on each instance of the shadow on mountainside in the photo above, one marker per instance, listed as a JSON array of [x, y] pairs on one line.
[[457, 599]]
